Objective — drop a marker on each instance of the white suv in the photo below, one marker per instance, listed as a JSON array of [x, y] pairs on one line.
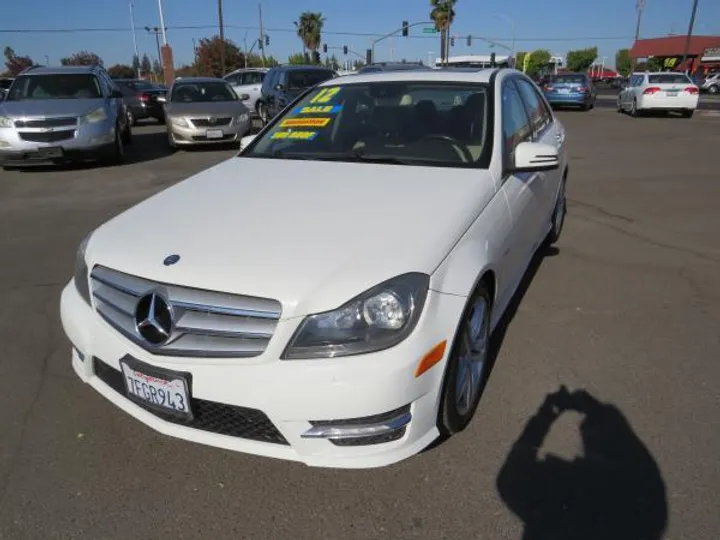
[[248, 81]]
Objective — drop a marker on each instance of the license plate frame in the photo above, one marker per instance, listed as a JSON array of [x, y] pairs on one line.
[[169, 376], [51, 152], [671, 93], [214, 134]]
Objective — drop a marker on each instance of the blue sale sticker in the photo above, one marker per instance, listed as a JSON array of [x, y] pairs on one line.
[[318, 109]]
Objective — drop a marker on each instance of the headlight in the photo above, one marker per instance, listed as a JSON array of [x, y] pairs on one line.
[[5, 122], [81, 271], [244, 117], [180, 122], [98, 115], [377, 319]]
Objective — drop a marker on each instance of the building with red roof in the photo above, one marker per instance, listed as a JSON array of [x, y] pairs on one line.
[[703, 53]]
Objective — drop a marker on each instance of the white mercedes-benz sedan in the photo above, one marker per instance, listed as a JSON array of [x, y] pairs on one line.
[[327, 296]]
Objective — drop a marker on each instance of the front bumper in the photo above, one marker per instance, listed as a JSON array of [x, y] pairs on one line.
[[85, 141], [199, 135], [298, 399]]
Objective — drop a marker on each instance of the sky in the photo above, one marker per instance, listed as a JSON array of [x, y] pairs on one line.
[[557, 25]]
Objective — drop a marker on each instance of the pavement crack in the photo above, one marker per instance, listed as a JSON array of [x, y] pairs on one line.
[[601, 210]]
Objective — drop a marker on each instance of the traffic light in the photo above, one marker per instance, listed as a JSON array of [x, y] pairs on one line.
[[492, 60], [345, 50], [452, 41], [317, 57], [267, 39], [260, 43], [325, 47], [469, 41], [368, 57], [405, 29]]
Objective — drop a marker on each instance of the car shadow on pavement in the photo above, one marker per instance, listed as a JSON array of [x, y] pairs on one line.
[[614, 491]]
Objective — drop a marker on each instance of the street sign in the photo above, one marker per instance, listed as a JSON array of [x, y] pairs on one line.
[[431, 30]]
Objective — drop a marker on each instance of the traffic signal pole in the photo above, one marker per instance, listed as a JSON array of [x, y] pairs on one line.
[[394, 32]]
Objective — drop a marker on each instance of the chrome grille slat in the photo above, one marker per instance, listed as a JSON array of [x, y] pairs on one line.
[[206, 323]]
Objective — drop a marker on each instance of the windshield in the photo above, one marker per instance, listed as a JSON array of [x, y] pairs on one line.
[[408, 123], [300, 80], [567, 79], [669, 78], [56, 86], [202, 92]]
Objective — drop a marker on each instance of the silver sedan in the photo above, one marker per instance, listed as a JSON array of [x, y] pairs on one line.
[[204, 111]]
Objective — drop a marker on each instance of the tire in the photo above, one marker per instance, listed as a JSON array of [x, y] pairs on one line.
[[116, 155], [127, 134], [619, 106], [634, 111], [160, 120], [466, 373], [132, 121], [263, 114], [557, 220], [173, 147], [713, 89], [688, 114]]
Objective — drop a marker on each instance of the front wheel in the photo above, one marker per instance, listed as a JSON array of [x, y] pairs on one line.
[[634, 111], [116, 155], [713, 90], [263, 113], [467, 370], [558, 216]]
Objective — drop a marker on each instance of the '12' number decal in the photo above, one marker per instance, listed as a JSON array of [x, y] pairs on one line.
[[325, 95]]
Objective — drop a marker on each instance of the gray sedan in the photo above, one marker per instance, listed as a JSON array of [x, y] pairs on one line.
[[204, 111]]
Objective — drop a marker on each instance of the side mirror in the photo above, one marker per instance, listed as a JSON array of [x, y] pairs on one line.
[[161, 99], [244, 97], [116, 94], [531, 156], [279, 87], [245, 141]]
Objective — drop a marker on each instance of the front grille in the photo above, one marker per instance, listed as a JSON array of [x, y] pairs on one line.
[[205, 323], [206, 122], [46, 122], [207, 415], [203, 138], [50, 136]]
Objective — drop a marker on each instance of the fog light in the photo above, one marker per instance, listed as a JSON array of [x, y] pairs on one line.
[[4, 144], [376, 429]]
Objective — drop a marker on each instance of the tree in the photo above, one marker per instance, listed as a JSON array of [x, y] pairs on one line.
[[209, 58], [157, 68], [136, 63], [309, 30], [186, 71], [532, 63], [296, 59], [443, 15], [122, 71], [581, 59], [14, 63], [623, 62], [82, 58], [145, 65]]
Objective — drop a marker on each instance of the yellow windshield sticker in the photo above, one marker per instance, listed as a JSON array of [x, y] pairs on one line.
[[295, 135], [305, 122], [318, 109], [325, 95]]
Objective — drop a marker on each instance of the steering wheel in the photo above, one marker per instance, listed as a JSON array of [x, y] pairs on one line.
[[461, 148]]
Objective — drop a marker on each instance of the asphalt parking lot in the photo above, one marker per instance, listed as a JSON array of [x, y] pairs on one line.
[[627, 307]]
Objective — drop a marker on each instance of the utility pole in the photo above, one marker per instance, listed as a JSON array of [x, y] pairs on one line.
[[690, 31], [640, 6], [222, 39], [162, 23], [132, 25], [262, 34]]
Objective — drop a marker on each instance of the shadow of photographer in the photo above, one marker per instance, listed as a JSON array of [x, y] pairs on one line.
[[615, 491]]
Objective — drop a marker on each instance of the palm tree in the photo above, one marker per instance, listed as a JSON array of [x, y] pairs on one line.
[[443, 14], [309, 30]]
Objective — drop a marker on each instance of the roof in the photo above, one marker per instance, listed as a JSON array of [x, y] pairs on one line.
[[245, 70], [303, 67], [432, 75], [199, 79], [673, 46], [43, 70]]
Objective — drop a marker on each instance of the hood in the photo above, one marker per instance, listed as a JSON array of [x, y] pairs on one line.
[[48, 108], [209, 108], [310, 234]]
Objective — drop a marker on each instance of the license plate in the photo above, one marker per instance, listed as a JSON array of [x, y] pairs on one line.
[[156, 388], [564, 90], [671, 94], [51, 152], [214, 134]]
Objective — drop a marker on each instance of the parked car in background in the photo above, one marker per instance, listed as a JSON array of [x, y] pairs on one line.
[[5, 83], [711, 84], [666, 92], [63, 114], [248, 81], [141, 99], [570, 90], [277, 315], [204, 110], [283, 84]]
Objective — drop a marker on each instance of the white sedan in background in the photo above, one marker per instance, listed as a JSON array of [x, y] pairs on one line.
[[666, 92], [328, 295]]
